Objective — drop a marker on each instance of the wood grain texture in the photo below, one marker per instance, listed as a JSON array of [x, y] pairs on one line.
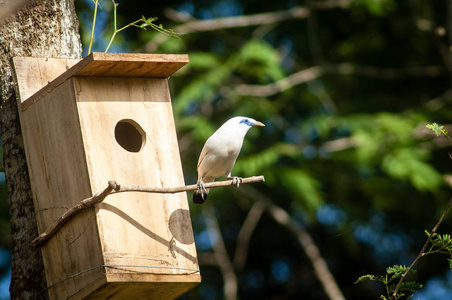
[[32, 73], [114, 187], [117, 65], [70, 138], [59, 177], [135, 227]]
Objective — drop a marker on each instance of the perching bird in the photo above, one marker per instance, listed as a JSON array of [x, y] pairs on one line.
[[220, 152]]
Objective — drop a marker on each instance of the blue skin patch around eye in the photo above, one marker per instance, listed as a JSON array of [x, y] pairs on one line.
[[246, 121]]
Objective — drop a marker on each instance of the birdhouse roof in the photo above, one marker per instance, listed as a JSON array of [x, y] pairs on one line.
[[100, 65], [129, 65]]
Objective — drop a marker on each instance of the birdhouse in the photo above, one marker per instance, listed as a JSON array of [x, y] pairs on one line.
[[107, 117]]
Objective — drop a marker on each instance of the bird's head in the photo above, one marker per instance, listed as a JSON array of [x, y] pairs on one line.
[[239, 125], [250, 122]]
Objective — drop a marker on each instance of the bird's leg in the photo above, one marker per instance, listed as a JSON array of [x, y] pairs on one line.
[[236, 181], [201, 189]]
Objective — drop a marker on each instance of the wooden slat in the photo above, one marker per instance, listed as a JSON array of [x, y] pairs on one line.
[[33, 73], [131, 65], [114, 65]]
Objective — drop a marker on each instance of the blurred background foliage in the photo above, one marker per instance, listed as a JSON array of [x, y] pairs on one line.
[[345, 88]]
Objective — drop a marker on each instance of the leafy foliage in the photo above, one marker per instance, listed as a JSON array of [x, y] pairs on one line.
[[437, 244], [361, 80], [142, 23], [393, 274]]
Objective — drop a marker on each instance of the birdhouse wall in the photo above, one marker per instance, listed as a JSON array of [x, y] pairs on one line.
[[81, 133], [59, 176], [149, 231]]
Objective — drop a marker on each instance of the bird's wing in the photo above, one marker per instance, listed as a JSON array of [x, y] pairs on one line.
[[204, 152]]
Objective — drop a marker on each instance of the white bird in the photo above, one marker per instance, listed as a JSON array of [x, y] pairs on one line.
[[220, 152]]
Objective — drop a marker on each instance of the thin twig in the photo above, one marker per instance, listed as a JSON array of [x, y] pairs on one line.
[[421, 254], [115, 30], [96, 3], [113, 188]]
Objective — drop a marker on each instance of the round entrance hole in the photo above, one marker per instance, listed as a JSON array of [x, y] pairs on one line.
[[130, 135]]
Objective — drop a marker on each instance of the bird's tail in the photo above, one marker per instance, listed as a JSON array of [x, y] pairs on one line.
[[200, 195], [199, 198]]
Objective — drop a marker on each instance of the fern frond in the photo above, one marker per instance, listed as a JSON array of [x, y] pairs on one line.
[[396, 269], [371, 277]]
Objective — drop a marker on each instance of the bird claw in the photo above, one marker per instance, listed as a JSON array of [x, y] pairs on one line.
[[236, 181], [201, 189]]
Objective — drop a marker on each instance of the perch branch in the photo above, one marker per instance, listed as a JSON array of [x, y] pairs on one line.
[[114, 188]]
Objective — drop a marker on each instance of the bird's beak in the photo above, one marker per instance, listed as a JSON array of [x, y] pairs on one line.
[[259, 124]]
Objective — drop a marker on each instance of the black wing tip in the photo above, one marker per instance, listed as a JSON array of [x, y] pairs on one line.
[[198, 198]]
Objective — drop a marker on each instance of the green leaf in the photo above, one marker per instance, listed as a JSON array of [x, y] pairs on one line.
[[442, 242], [397, 269], [257, 59], [370, 277], [377, 7], [408, 163], [410, 286], [437, 129], [303, 186]]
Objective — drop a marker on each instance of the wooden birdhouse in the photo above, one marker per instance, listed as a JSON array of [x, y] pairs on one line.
[[108, 116]]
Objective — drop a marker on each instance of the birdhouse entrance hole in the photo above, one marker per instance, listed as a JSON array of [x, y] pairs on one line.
[[130, 135], [92, 123]]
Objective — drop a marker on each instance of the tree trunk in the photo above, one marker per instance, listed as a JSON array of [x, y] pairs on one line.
[[46, 28]]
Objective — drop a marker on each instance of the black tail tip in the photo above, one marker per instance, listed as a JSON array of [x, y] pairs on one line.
[[198, 198]]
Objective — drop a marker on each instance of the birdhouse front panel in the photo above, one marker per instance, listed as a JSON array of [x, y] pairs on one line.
[[129, 136], [98, 121]]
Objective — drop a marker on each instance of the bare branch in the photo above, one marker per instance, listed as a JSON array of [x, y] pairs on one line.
[[440, 101], [114, 188], [221, 254], [193, 25], [320, 266], [243, 240], [315, 72], [340, 144]]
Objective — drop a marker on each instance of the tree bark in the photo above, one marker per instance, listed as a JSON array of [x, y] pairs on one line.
[[46, 28]]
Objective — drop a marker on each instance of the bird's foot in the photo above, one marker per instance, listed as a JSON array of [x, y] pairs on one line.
[[201, 189], [236, 181]]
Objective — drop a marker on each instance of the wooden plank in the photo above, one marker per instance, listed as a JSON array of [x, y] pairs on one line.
[[132, 65], [59, 180], [33, 73], [156, 290], [117, 65]]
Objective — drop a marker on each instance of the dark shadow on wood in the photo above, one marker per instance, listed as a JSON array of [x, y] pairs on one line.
[[148, 232]]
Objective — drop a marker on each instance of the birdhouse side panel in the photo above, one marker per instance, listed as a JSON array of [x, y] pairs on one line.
[[141, 233], [59, 180]]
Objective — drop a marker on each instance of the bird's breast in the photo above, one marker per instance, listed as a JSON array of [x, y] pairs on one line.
[[221, 153]]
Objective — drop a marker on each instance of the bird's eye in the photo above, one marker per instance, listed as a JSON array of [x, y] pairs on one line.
[[245, 121]]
